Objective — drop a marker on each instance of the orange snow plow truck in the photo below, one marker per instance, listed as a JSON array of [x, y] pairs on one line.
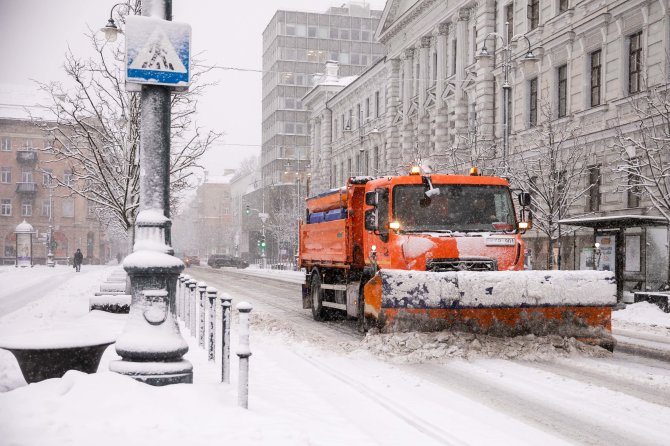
[[431, 252]]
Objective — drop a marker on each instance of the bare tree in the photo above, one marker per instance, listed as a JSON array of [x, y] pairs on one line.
[[552, 168], [644, 145], [95, 129]]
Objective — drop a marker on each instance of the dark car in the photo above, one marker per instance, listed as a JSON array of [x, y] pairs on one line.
[[192, 260], [219, 260]]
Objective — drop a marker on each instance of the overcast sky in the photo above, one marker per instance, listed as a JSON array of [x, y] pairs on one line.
[[36, 33]]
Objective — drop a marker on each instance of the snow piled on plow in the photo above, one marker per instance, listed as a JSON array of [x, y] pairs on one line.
[[466, 289]]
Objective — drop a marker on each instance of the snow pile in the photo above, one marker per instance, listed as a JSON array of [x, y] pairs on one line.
[[643, 313], [443, 346], [420, 289]]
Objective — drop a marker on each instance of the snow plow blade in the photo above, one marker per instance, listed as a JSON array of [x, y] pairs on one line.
[[566, 303]]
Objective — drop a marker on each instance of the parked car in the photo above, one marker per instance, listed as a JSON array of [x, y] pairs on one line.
[[219, 260], [192, 260]]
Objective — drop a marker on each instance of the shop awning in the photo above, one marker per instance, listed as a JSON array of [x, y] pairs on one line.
[[616, 221]]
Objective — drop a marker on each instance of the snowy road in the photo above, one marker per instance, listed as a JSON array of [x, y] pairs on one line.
[[573, 399]]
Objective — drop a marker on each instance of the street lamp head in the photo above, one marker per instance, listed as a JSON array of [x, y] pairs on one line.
[[529, 59], [111, 30], [484, 58]]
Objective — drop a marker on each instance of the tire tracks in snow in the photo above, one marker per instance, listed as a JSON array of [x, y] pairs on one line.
[[540, 401]]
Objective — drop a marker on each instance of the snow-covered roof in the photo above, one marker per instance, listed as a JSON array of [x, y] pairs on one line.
[[616, 221], [23, 102]]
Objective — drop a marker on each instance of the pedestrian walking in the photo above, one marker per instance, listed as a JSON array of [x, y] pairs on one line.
[[78, 258]]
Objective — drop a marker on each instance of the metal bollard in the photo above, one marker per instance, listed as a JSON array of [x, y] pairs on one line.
[[180, 291], [182, 297], [191, 306], [202, 288], [211, 326], [226, 302], [243, 352]]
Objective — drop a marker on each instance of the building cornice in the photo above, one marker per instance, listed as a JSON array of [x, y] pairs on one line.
[[408, 17]]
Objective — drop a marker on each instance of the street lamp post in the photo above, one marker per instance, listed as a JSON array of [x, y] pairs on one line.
[[484, 58]]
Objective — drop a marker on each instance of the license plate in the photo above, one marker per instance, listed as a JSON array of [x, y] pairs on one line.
[[500, 241]]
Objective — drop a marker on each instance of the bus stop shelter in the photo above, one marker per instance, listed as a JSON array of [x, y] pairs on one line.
[[616, 226]]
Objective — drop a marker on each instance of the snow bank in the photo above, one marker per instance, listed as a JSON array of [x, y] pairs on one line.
[[642, 313]]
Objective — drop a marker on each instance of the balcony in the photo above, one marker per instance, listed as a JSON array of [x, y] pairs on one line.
[[26, 156], [26, 188]]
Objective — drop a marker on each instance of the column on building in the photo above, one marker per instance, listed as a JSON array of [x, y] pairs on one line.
[[441, 120], [485, 20], [423, 131], [325, 169], [392, 150], [460, 105], [407, 130]]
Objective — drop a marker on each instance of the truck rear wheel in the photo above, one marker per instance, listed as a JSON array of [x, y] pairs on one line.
[[318, 311]]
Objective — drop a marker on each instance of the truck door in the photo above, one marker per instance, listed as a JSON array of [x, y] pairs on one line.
[[377, 226]]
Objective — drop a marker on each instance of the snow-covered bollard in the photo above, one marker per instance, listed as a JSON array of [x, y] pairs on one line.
[[226, 302], [202, 289], [211, 326], [243, 352], [191, 306], [181, 293]]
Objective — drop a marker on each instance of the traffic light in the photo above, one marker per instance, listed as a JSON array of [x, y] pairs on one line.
[[248, 210], [263, 243]]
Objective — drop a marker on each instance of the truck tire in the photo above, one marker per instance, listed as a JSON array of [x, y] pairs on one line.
[[318, 311]]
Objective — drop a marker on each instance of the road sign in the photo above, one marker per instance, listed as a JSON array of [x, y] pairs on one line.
[[158, 51]]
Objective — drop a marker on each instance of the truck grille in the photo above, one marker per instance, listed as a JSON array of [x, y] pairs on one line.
[[441, 265]]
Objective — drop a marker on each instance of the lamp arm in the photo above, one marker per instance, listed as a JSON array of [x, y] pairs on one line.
[[111, 11], [519, 37], [492, 34]]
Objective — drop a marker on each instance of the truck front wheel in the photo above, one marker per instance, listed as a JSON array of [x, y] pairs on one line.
[[318, 312]]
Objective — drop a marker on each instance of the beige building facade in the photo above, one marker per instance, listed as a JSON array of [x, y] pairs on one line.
[[442, 106]]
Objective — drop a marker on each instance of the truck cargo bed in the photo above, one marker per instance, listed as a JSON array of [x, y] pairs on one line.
[[325, 242]]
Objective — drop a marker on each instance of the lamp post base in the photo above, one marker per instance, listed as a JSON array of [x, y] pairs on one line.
[[155, 373], [50, 260]]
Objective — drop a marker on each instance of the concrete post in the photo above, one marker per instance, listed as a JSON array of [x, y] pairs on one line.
[[202, 288], [226, 302], [243, 352], [180, 294], [211, 326]]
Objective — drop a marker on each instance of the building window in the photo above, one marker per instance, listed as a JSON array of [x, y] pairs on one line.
[[562, 91], [6, 145], [375, 160], [533, 13], [634, 190], [68, 208], [596, 79], [67, 177], [593, 204], [509, 111], [46, 177], [26, 208], [634, 62], [27, 175], [359, 115], [562, 6], [46, 208], [509, 19], [90, 212], [367, 107], [5, 174], [5, 207], [376, 104], [454, 50], [532, 105]]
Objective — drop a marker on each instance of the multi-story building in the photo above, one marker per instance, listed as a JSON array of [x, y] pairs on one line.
[[29, 191], [205, 225], [439, 105], [295, 46]]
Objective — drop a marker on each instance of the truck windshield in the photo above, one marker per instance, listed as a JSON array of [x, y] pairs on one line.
[[457, 208]]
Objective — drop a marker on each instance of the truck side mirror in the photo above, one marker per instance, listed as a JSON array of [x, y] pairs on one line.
[[370, 220], [524, 199], [371, 198]]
